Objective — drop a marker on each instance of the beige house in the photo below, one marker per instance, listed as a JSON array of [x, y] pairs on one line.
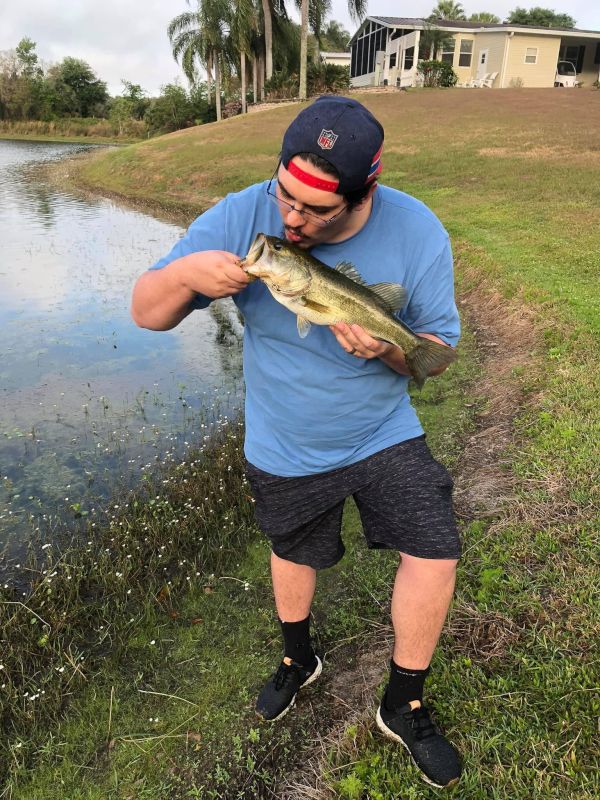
[[339, 59], [385, 51]]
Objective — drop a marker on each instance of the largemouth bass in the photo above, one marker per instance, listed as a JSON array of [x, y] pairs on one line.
[[324, 295]]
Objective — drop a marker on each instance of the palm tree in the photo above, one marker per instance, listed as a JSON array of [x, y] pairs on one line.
[[268, 28], [303, 48], [244, 26], [357, 10], [271, 10], [447, 9], [433, 39], [202, 36], [189, 45], [484, 16], [317, 13]]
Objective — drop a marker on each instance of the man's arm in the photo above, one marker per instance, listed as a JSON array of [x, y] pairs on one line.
[[163, 297]]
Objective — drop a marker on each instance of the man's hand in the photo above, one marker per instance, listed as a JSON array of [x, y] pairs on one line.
[[213, 273], [357, 342], [163, 297]]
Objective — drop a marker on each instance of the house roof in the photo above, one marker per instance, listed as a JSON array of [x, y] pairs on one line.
[[463, 25]]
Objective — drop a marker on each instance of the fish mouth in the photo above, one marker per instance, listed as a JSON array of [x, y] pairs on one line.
[[255, 252]]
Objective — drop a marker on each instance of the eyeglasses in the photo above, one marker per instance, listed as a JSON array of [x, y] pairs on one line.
[[308, 216]]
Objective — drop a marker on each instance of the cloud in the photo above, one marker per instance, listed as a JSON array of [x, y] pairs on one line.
[[118, 38]]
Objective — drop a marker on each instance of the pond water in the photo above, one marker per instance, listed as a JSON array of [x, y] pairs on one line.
[[88, 401]]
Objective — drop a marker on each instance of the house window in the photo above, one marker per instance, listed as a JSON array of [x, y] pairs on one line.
[[392, 60], [466, 51], [409, 57], [573, 53], [448, 52], [531, 54], [597, 56]]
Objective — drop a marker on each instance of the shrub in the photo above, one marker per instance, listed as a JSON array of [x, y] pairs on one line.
[[327, 78], [320, 78], [437, 73]]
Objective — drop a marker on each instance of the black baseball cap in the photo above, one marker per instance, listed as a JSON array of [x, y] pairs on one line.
[[344, 133]]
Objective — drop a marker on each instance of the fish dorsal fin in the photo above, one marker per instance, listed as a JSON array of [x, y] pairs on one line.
[[350, 271], [392, 295], [303, 327]]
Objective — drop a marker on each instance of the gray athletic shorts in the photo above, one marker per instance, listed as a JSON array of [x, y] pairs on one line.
[[404, 497]]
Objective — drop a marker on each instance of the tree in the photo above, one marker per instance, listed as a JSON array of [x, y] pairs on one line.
[[202, 35], [433, 40], [268, 29], [134, 93], [484, 16], [27, 58], [244, 27], [447, 9], [121, 112], [21, 80], [84, 93], [335, 39], [540, 18], [170, 111], [357, 10]]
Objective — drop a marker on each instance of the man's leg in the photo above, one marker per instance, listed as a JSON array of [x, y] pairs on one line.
[[422, 593], [294, 588]]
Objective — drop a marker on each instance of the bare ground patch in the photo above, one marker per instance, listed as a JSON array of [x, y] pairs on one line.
[[543, 153]]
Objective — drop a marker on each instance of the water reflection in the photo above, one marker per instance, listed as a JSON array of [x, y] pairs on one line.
[[87, 400]]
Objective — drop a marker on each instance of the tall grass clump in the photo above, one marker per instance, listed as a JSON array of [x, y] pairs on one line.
[[74, 127], [74, 611]]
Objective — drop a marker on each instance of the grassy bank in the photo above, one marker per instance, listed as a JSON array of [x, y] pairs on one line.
[[165, 709]]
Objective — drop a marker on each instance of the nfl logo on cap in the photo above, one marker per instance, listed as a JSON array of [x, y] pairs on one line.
[[326, 139]]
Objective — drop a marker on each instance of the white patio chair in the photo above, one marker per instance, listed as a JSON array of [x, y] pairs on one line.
[[475, 83], [488, 81]]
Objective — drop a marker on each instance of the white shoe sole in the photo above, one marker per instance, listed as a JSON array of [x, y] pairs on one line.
[[397, 738], [317, 671]]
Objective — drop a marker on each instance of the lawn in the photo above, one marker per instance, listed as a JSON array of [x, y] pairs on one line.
[[514, 176]]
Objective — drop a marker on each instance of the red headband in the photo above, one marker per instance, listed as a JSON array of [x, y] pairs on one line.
[[311, 180]]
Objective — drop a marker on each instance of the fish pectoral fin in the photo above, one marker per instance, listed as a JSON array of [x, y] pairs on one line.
[[314, 306], [303, 327], [392, 295], [350, 271]]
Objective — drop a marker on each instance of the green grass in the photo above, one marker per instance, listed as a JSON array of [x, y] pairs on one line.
[[514, 176]]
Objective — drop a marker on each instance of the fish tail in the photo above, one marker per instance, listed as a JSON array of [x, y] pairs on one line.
[[426, 357]]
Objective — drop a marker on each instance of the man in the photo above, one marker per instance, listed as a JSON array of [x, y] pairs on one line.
[[328, 416]]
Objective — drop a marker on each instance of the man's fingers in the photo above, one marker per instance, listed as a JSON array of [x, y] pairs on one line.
[[236, 274]]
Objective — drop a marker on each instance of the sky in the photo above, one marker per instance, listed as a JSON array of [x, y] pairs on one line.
[[123, 39]]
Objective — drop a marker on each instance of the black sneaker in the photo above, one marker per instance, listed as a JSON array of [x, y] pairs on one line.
[[279, 693], [411, 725]]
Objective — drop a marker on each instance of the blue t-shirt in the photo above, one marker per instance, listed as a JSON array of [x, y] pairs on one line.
[[310, 407]]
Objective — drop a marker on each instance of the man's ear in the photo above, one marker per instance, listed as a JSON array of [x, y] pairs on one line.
[[368, 195]]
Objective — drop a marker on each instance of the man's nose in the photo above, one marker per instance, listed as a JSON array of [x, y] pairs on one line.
[[294, 210]]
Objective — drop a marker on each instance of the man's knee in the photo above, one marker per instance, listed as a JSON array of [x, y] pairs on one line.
[[433, 568]]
